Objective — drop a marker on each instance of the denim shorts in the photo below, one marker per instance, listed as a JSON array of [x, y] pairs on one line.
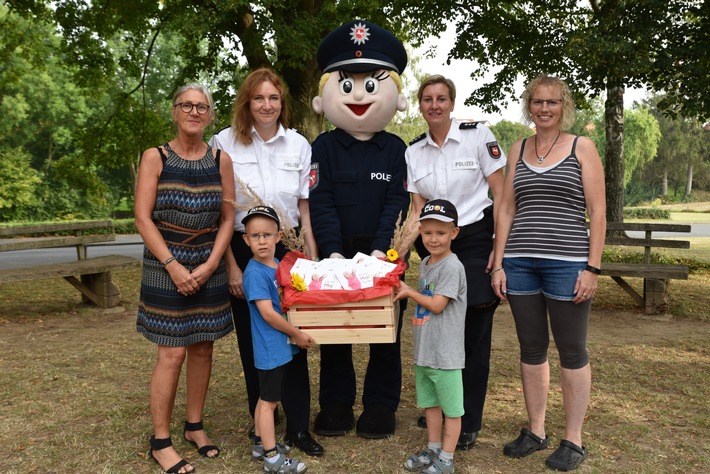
[[530, 276]]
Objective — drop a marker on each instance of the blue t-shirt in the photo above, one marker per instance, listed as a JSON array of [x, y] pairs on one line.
[[271, 346]]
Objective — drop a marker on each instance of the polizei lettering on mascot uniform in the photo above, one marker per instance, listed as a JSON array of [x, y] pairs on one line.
[[380, 177]]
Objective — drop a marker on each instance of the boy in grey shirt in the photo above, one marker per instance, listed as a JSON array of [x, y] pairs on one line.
[[438, 328]]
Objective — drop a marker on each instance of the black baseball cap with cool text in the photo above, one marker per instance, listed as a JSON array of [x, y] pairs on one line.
[[440, 210], [262, 211]]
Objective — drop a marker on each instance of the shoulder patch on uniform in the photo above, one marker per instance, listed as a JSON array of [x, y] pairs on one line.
[[418, 139], [468, 125], [313, 176], [493, 150]]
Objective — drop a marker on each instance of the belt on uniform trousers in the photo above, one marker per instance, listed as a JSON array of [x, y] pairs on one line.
[[486, 222], [195, 232], [470, 229]]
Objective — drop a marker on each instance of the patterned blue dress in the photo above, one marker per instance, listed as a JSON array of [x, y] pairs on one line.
[[187, 211]]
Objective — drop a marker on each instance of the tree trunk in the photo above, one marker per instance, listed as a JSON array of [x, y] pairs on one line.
[[303, 87], [689, 180], [664, 182], [614, 152]]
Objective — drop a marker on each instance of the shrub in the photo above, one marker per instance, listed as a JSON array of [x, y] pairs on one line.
[[646, 213], [124, 226]]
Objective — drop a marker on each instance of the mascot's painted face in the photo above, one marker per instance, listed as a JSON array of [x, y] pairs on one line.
[[360, 103]]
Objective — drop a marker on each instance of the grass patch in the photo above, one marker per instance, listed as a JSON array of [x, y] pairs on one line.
[[75, 391]]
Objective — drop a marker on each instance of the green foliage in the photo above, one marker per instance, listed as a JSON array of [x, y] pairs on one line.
[[124, 226], [596, 47], [649, 213], [507, 133], [18, 184]]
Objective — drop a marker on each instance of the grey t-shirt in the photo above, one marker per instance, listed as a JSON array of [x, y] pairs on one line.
[[439, 338]]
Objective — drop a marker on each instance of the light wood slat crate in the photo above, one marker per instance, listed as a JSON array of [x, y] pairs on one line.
[[361, 322]]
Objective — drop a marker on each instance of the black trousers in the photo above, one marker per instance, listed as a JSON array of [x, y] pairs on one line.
[[383, 377], [296, 399], [473, 250], [477, 344]]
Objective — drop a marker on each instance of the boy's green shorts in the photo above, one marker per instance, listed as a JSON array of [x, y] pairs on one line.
[[440, 388]]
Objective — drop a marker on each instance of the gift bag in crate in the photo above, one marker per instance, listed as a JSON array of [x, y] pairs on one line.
[[367, 315]]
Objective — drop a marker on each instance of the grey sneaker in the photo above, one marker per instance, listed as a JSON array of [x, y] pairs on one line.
[[284, 465], [439, 466], [416, 462], [257, 450]]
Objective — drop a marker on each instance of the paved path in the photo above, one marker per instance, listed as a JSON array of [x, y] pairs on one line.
[[696, 230], [132, 245]]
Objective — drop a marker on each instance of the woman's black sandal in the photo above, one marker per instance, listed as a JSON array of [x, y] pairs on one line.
[[204, 449], [162, 443]]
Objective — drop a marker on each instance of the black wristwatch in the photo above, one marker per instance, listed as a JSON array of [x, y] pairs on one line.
[[595, 270]]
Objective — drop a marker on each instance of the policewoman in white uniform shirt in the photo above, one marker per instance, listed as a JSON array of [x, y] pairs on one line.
[[461, 162], [275, 162]]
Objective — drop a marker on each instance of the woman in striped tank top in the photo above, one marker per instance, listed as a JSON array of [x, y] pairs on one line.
[[546, 263]]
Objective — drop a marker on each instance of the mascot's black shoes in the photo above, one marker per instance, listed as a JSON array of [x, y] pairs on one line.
[[376, 421], [334, 419]]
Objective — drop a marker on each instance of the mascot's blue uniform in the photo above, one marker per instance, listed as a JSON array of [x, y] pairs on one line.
[[357, 194]]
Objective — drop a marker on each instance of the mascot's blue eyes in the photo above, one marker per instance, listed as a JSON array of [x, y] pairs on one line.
[[372, 85], [346, 86]]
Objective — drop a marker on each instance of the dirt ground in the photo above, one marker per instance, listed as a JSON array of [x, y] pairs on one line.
[[625, 432]]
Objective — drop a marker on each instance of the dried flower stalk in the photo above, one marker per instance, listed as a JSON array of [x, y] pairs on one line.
[[405, 233], [291, 239]]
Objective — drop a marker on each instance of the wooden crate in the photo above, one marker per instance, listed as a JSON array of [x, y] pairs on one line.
[[361, 322]]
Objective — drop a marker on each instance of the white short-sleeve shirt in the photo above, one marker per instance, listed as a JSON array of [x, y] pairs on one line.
[[277, 169], [457, 171]]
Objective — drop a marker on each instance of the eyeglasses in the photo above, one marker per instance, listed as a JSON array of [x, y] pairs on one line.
[[550, 102], [256, 237], [187, 107]]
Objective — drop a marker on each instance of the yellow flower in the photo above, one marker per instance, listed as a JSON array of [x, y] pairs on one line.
[[392, 255], [298, 283]]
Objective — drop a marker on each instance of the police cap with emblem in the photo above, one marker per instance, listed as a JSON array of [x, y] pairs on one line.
[[361, 46]]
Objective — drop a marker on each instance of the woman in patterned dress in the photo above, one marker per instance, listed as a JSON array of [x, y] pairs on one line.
[[184, 215]]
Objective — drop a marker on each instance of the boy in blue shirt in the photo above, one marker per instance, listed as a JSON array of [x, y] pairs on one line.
[[270, 333], [438, 329]]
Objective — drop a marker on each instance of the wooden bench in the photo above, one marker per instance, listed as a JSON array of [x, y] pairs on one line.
[[656, 277], [94, 273]]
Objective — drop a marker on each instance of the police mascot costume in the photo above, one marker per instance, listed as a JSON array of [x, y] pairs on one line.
[[357, 193]]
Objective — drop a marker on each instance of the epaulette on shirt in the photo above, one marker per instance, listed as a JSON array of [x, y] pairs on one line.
[[468, 125], [418, 139]]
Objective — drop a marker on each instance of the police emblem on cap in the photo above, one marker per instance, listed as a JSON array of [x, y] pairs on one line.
[[359, 34]]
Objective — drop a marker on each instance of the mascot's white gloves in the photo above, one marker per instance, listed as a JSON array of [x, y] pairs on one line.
[[336, 255], [378, 254]]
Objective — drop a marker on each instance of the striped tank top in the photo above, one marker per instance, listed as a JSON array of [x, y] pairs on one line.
[[550, 218]]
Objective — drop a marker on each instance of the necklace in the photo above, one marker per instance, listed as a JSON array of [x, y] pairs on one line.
[[541, 158]]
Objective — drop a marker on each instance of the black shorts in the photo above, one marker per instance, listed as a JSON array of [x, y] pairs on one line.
[[271, 383]]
